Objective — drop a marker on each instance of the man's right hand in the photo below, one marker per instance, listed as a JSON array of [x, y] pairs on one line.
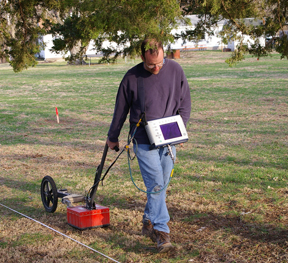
[[112, 145]]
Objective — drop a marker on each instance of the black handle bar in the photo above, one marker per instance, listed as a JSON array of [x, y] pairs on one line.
[[90, 203]]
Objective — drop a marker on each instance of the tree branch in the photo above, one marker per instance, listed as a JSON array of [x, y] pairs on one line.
[[231, 18], [24, 23]]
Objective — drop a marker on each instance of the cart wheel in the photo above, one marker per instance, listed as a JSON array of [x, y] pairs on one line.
[[49, 194]]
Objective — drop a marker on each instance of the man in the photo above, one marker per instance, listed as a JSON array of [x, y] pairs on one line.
[[166, 94]]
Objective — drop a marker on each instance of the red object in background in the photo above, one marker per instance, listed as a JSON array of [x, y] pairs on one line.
[[83, 218], [57, 116]]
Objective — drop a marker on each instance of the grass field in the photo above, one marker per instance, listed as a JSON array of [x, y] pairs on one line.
[[228, 196]]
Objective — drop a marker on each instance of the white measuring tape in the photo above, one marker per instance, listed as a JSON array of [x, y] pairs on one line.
[[60, 233]]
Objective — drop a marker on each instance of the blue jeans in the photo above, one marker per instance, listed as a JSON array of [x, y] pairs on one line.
[[155, 166]]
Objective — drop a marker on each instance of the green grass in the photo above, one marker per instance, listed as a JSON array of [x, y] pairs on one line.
[[28, 239], [228, 196]]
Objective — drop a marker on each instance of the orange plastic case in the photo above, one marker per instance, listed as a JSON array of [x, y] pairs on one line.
[[83, 218]]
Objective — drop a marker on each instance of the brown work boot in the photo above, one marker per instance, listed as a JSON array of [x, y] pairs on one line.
[[147, 230], [163, 241]]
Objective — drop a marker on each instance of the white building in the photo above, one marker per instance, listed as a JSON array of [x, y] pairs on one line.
[[209, 42], [46, 53]]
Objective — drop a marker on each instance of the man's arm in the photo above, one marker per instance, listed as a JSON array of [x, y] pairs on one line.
[[120, 114], [185, 107]]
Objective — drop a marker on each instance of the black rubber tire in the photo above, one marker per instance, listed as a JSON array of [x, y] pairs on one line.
[[49, 194]]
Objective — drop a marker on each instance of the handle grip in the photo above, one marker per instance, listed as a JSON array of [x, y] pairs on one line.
[[116, 149]]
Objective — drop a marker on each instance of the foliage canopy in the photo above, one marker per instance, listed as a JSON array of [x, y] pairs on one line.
[[20, 27], [269, 19], [125, 23]]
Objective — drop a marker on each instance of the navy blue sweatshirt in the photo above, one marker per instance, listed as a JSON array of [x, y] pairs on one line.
[[166, 94]]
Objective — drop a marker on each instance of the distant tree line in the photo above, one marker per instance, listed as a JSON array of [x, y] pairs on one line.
[[75, 23]]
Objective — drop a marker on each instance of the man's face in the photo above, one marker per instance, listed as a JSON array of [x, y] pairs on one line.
[[153, 62]]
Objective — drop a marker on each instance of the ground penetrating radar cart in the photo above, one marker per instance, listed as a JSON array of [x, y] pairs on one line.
[[82, 216]]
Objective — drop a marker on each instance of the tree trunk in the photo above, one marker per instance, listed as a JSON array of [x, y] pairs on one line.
[[77, 54]]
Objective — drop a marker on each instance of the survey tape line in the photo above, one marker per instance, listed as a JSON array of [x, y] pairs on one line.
[[60, 233]]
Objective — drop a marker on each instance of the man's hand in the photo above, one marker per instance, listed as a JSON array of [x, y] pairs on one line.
[[112, 145]]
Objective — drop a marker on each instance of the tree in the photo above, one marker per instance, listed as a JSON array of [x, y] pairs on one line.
[[123, 23], [81, 22], [20, 29], [140, 19], [270, 17]]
